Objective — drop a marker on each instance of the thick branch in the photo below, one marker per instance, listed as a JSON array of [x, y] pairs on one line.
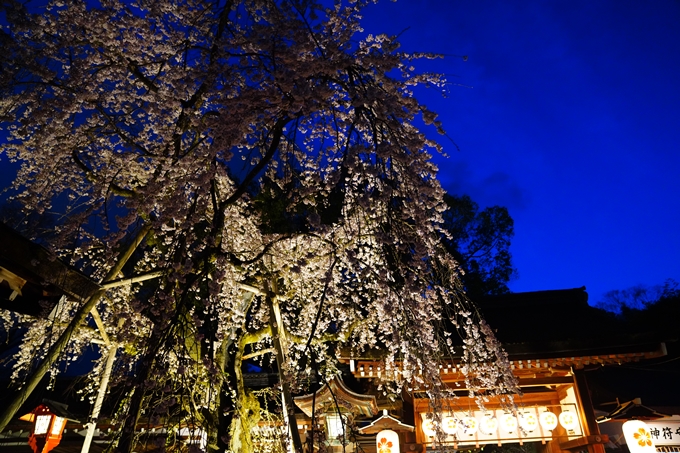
[[134, 68], [277, 133], [90, 175], [277, 333], [254, 337], [259, 353]]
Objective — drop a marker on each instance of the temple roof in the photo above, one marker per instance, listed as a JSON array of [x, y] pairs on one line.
[[336, 395], [385, 421], [546, 334], [32, 279], [560, 324], [632, 410]]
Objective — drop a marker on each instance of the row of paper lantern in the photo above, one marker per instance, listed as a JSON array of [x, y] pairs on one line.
[[506, 423], [636, 432]]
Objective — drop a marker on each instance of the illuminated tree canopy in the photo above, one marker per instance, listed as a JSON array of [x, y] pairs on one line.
[[270, 148]]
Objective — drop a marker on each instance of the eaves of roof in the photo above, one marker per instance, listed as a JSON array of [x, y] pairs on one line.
[[46, 277]]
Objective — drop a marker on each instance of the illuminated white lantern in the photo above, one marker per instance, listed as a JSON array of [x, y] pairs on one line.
[[488, 425], [428, 427], [508, 423], [568, 420], [638, 437], [387, 441], [468, 426], [528, 421], [335, 425], [450, 425], [548, 420]]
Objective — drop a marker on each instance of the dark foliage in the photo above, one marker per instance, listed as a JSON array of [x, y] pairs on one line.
[[480, 242]]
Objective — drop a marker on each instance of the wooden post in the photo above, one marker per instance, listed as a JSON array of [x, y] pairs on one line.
[[278, 339], [103, 386], [583, 397]]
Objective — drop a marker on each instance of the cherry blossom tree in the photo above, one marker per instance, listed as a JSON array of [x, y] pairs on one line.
[[268, 153]]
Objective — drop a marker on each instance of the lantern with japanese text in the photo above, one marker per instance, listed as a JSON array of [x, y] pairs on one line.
[[488, 425], [509, 423], [450, 425], [528, 421], [468, 426], [47, 429]]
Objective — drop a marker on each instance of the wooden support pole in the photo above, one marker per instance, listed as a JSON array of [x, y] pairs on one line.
[[131, 280], [103, 386], [583, 397], [278, 334]]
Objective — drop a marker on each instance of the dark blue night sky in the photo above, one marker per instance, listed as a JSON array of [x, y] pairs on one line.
[[568, 113]]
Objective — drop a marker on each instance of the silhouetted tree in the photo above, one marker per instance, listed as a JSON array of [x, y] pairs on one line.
[[637, 297], [480, 242]]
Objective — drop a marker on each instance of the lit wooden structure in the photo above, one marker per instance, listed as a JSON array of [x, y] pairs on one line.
[[551, 338], [32, 280], [336, 406]]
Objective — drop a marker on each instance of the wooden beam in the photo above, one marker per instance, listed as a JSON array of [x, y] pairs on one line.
[[555, 380], [578, 444]]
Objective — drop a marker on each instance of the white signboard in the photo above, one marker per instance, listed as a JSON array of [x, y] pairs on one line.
[[664, 432]]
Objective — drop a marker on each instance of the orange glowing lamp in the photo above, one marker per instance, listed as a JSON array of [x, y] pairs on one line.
[[387, 441], [47, 429]]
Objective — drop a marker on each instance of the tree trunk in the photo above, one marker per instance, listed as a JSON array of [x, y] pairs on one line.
[[222, 416], [230, 366], [127, 437]]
